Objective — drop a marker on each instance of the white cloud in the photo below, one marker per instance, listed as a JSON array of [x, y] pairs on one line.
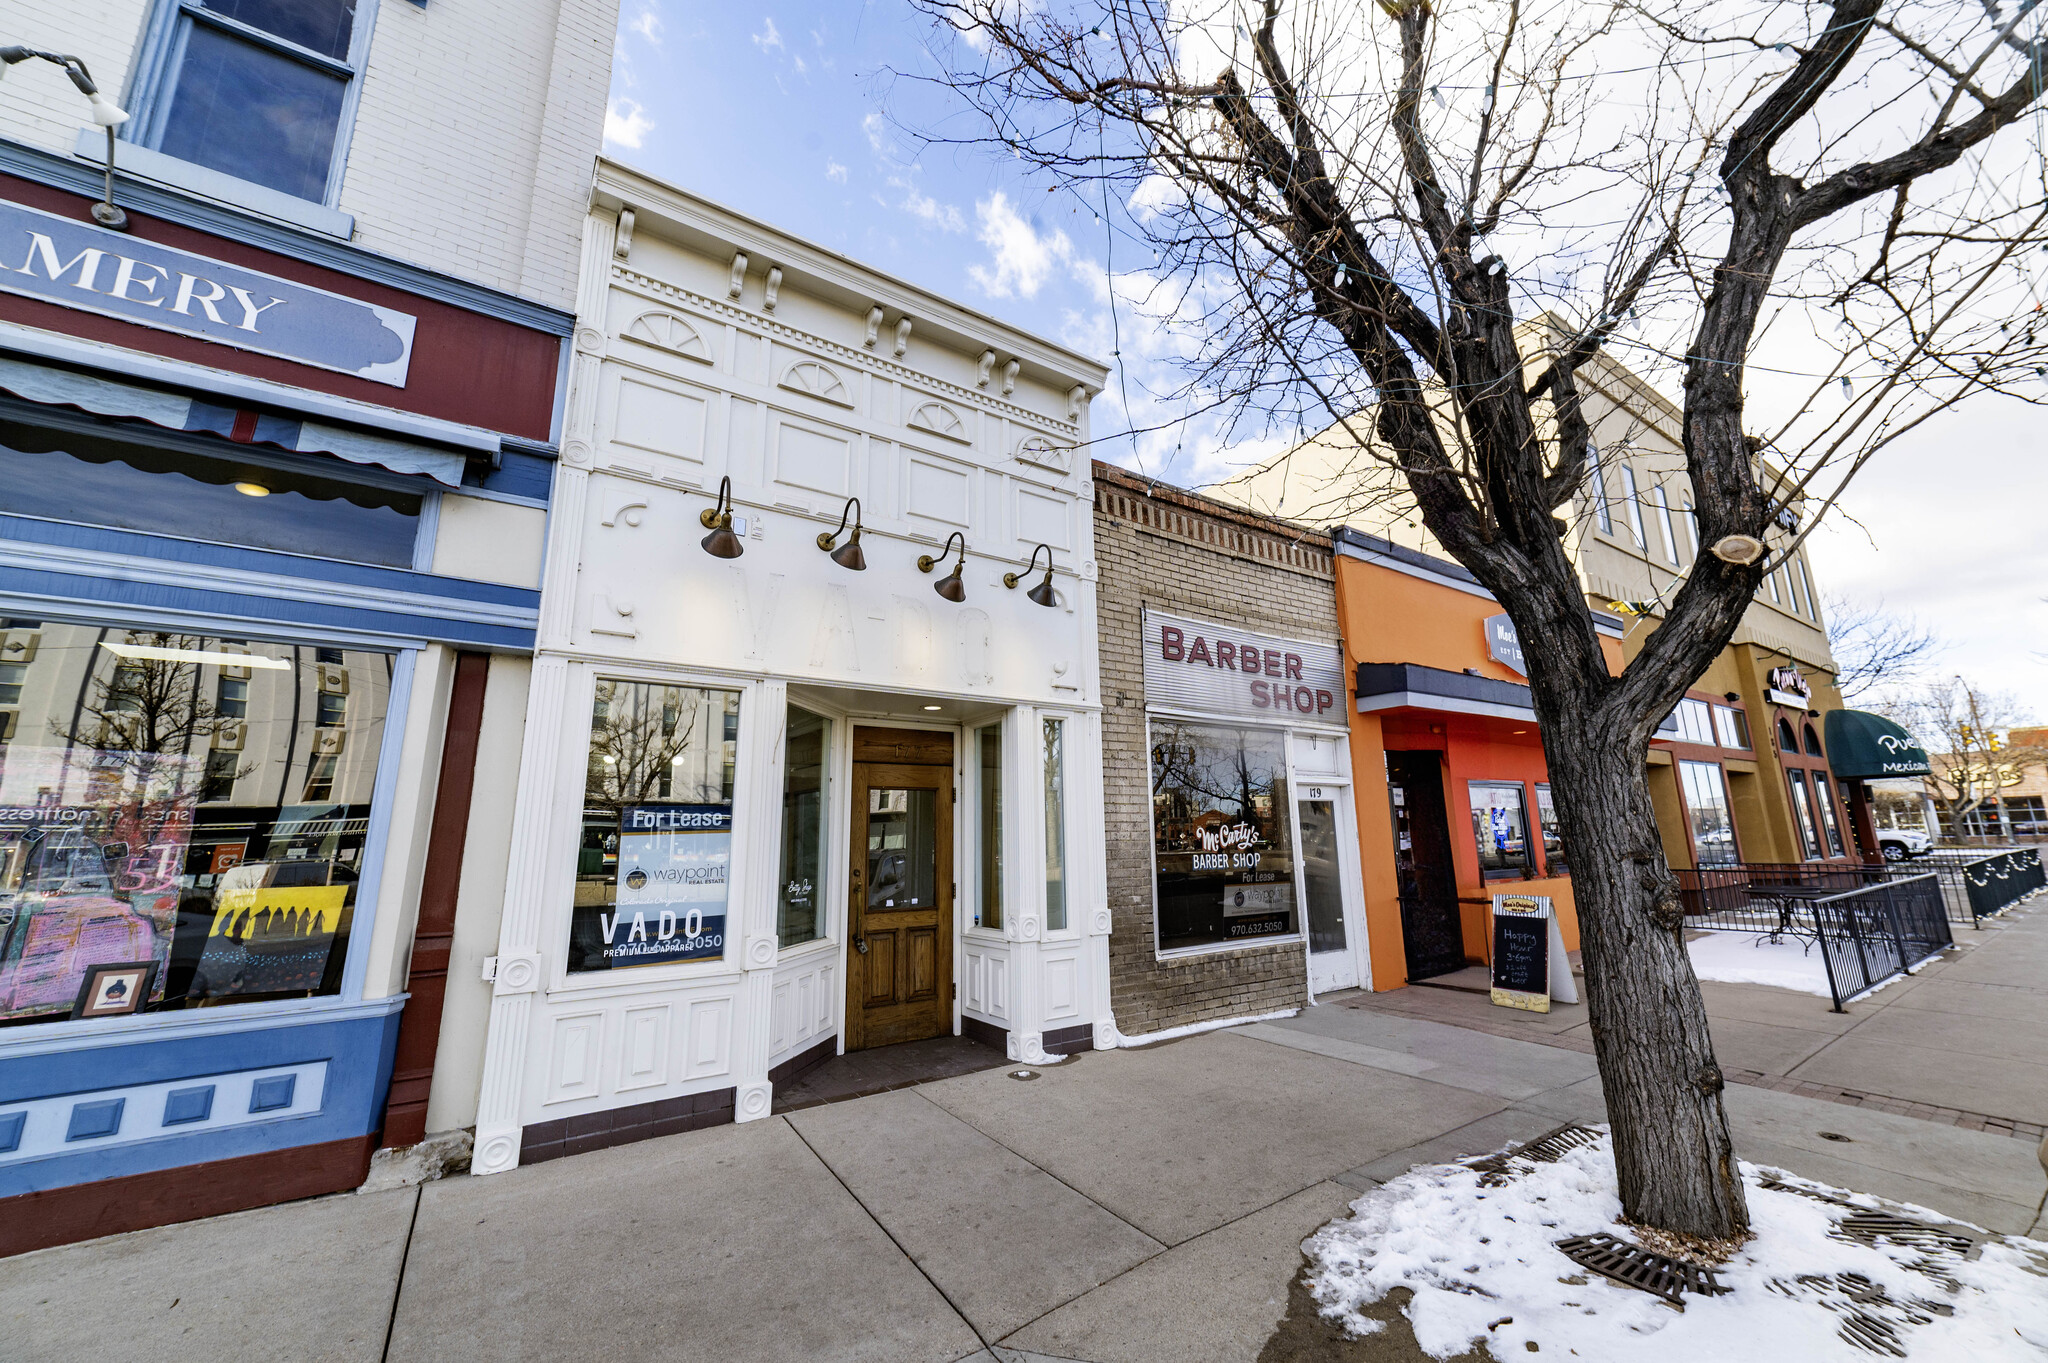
[[626, 124], [835, 172], [945, 217], [1020, 258], [647, 23], [877, 129], [769, 39]]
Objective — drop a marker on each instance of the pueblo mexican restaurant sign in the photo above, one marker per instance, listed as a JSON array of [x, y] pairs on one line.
[[81, 265], [1216, 669]]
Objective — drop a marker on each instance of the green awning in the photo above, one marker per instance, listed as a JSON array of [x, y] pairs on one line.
[[1867, 747]]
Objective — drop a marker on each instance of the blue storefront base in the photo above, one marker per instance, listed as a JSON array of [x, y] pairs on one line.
[[349, 1047]]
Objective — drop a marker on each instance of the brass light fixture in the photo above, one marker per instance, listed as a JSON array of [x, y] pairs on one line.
[[721, 542], [950, 585], [847, 555], [1043, 593]]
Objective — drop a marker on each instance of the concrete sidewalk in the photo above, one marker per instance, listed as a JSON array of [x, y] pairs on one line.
[[1125, 1207]]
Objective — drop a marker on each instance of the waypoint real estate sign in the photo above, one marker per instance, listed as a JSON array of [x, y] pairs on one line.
[[1215, 669], [675, 864]]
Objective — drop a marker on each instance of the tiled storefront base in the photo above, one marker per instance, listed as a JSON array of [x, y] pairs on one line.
[[624, 1125]]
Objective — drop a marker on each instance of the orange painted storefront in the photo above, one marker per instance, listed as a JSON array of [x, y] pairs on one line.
[[1399, 607]]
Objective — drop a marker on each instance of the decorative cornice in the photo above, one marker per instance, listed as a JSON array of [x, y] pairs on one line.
[[853, 355]]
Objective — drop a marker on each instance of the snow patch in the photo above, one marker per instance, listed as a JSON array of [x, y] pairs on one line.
[[1484, 1268], [1751, 958]]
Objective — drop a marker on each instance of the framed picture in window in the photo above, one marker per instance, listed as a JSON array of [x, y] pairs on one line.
[[114, 989]]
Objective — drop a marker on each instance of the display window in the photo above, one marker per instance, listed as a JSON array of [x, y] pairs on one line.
[[195, 809], [1500, 829], [1706, 808], [654, 867], [988, 746], [799, 913], [1802, 808], [1554, 862], [1824, 802], [1055, 825], [1223, 848]]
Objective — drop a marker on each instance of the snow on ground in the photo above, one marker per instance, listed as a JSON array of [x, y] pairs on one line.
[[1748, 958], [1483, 1267]]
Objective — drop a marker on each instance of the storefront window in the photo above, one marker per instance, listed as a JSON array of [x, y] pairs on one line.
[[1695, 722], [1824, 799], [1500, 827], [1223, 854], [145, 825], [653, 869], [1731, 726], [989, 744], [1553, 834], [798, 914], [1706, 806], [77, 477], [1321, 880], [1055, 825], [1802, 809]]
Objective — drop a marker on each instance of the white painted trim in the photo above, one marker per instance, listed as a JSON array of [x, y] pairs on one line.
[[376, 839], [135, 364]]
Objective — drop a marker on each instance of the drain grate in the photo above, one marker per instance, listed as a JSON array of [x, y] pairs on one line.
[[1548, 1148], [1633, 1266], [1872, 1319], [1869, 1227]]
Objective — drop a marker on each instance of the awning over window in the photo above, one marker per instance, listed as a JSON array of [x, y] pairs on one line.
[[181, 412], [1867, 747]]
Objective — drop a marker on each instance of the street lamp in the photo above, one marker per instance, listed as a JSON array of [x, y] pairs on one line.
[[105, 112]]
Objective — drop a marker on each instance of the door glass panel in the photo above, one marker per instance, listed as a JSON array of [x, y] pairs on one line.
[[1319, 875], [903, 850]]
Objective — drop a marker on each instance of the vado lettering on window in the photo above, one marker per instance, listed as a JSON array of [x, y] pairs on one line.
[[84, 266], [1215, 669]]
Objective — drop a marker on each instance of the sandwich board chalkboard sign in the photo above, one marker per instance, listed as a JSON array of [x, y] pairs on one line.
[[1528, 964]]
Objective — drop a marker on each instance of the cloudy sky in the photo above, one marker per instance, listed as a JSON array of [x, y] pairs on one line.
[[785, 113]]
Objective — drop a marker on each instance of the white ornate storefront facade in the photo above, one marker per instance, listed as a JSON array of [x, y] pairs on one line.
[[675, 936]]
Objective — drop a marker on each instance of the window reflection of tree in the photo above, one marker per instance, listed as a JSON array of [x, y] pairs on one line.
[[639, 735], [1199, 770]]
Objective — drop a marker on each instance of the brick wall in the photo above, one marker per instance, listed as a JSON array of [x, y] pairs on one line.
[[1175, 551]]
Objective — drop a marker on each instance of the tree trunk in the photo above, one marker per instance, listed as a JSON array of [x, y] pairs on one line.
[[1673, 1156]]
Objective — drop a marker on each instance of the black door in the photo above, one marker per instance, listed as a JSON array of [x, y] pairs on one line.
[[1430, 929]]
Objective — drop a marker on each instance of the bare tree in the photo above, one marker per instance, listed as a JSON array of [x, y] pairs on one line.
[[1875, 651], [1330, 190], [1968, 732]]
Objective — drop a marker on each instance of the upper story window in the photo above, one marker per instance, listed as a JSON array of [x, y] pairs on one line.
[[1664, 522], [1635, 506], [1601, 509], [257, 89]]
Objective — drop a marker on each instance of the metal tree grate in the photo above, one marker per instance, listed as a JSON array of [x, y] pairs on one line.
[[1547, 1148], [1872, 1319], [1633, 1266], [1869, 1227]]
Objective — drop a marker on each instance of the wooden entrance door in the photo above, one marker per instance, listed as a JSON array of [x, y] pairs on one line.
[[1431, 932], [899, 978]]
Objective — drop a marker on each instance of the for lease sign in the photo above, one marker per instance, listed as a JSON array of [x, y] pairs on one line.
[[1212, 668]]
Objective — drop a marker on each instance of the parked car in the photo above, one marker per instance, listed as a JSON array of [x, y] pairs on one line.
[[1901, 844]]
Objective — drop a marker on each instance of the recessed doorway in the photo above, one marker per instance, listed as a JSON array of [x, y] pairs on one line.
[[899, 973]]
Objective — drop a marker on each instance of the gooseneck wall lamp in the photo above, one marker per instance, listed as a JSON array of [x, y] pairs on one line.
[[1043, 593], [721, 542], [847, 555], [950, 585], [105, 112]]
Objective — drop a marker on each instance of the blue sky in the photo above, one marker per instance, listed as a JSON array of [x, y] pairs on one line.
[[788, 112]]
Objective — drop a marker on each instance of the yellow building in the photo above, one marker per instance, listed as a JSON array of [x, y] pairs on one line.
[[1739, 770]]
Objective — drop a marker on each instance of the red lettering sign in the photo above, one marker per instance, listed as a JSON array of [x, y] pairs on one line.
[[1170, 643]]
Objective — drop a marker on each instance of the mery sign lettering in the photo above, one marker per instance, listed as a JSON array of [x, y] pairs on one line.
[[80, 265], [1196, 665]]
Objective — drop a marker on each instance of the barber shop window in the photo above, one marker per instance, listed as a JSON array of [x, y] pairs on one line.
[[256, 89], [1553, 833], [656, 857], [1223, 847], [81, 477], [799, 896], [159, 847], [1500, 828]]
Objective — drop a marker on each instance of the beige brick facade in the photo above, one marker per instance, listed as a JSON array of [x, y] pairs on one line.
[[1160, 547]]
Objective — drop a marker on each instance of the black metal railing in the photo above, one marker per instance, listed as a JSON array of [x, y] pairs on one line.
[[1760, 896], [1875, 934], [1996, 883]]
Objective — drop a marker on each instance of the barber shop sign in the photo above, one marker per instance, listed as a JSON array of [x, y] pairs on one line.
[[1211, 668]]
